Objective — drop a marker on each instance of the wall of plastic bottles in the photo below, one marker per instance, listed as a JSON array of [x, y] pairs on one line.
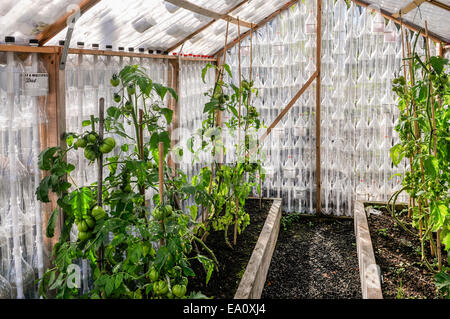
[[23, 92], [361, 54], [191, 101]]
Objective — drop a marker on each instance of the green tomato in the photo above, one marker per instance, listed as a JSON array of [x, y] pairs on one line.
[[109, 143], [131, 89], [92, 138], [98, 213], [154, 275], [90, 154], [117, 98], [157, 213], [83, 226], [81, 143], [89, 221], [84, 235], [162, 287], [115, 81], [179, 290], [129, 106], [169, 210]]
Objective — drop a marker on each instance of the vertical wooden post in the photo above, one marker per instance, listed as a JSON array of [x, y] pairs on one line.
[[52, 136], [174, 82], [318, 102]]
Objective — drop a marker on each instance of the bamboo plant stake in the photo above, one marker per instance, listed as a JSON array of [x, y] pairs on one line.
[[412, 202], [417, 136], [101, 121], [218, 115], [141, 151], [239, 125], [161, 183], [433, 115]]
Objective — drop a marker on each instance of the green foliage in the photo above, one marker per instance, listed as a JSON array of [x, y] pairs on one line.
[[424, 131], [127, 266], [222, 189]]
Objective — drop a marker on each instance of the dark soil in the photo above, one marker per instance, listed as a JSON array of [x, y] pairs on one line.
[[398, 254], [232, 262], [314, 259]]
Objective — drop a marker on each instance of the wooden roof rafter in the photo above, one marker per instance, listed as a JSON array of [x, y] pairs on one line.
[[408, 8], [259, 25], [205, 27], [439, 4], [416, 4], [48, 33], [208, 13], [407, 24]]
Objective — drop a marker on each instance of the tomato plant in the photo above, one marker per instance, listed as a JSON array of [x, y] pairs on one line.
[[118, 234], [223, 188], [423, 127]]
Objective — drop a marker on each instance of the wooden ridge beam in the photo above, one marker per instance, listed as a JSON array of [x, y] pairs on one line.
[[53, 29], [204, 27], [408, 8], [407, 24], [208, 13], [259, 25]]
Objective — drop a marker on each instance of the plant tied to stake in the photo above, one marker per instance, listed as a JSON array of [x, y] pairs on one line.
[[130, 264], [223, 188], [424, 132]]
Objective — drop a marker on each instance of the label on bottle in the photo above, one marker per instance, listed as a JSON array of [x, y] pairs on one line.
[[34, 84]]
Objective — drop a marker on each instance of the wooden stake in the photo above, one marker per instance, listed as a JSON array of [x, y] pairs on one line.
[[101, 121], [411, 200], [239, 128], [161, 183], [318, 103], [438, 233]]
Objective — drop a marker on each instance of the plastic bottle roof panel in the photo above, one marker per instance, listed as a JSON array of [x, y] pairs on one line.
[[25, 19], [159, 25], [437, 18]]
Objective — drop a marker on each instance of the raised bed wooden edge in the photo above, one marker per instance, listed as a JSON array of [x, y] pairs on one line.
[[368, 269], [254, 278]]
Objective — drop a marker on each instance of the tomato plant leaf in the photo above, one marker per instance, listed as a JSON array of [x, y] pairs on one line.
[[51, 223]]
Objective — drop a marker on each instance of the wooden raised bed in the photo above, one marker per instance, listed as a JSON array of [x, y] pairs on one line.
[[368, 269], [254, 278]]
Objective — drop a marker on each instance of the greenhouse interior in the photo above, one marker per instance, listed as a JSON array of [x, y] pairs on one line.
[[225, 149]]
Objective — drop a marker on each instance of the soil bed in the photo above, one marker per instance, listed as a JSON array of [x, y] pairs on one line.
[[314, 259], [232, 262], [398, 254]]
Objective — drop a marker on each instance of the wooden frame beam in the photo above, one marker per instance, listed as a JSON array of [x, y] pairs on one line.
[[52, 30], [408, 8], [439, 4], [257, 26], [208, 13], [204, 27], [318, 105], [288, 107], [409, 25], [137, 55]]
